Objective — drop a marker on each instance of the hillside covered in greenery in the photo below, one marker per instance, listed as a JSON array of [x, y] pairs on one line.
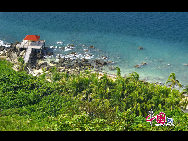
[[84, 102]]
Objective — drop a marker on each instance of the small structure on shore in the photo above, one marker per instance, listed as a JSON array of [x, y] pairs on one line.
[[32, 41], [29, 43]]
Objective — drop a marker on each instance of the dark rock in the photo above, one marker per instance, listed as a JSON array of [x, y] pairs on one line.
[[3, 54], [80, 64], [61, 60], [137, 66], [74, 53], [104, 63], [39, 56], [9, 50], [140, 65], [37, 67], [93, 63], [88, 64], [84, 60], [144, 63], [48, 68], [49, 53], [13, 55], [14, 49], [52, 62], [2, 48], [62, 65], [140, 48], [85, 68], [104, 57], [86, 50], [112, 68], [62, 48], [68, 65], [97, 62], [101, 62], [71, 45], [92, 47], [45, 64]]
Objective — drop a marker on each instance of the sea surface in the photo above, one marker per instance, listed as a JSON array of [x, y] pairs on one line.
[[163, 35]]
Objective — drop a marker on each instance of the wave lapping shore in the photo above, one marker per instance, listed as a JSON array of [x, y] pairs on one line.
[[72, 61]]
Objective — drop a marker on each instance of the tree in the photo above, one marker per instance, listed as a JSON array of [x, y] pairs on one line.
[[172, 79], [118, 71]]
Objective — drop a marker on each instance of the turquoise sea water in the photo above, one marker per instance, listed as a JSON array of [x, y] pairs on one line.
[[163, 35]]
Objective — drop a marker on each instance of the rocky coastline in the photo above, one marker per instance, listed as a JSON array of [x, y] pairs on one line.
[[38, 60], [70, 63]]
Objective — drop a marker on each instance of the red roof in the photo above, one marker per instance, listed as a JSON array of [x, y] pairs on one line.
[[32, 37]]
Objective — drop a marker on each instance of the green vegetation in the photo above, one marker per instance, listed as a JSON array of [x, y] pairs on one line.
[[172, 79], [21, 64], [84, 102]]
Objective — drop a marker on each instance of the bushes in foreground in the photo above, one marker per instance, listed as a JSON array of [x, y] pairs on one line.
[[84, 102]]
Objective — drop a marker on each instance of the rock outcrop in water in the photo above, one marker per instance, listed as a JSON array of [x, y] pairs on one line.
[[140, 65], [140, 48]]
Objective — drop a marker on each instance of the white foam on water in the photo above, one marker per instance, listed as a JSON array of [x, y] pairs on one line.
[[87, 56], [68, 48], [2, 43], [59, 42]]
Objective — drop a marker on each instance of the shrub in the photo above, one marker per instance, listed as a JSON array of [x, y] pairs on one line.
[[84, 102]]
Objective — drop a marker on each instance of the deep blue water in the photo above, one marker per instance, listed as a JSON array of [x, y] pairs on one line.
[[164, 36]]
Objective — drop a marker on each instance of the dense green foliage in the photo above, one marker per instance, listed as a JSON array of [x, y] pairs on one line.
[[84, 102]]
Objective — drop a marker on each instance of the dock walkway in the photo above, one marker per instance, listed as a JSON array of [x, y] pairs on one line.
[[29, 46], [27, 55]]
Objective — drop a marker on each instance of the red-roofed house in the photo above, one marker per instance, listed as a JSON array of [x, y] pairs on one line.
[[32, 41], [32, 37]]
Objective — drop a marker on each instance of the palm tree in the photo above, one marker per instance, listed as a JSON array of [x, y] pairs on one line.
[[118, 71], [172, 79]]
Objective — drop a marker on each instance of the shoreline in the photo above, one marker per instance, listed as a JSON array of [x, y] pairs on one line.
[[73, 62], [70, 62]]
